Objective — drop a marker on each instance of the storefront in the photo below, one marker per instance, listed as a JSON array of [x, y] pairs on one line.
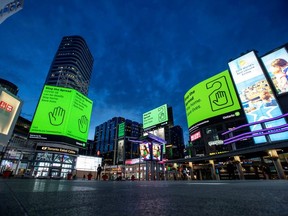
[[54, 161]]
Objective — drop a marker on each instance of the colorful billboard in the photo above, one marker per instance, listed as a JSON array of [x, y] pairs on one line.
[[256, 96], [156, 151], [155, 117], [62, 115], [145, 152], [276, 64], [213, 97], [10, 107]]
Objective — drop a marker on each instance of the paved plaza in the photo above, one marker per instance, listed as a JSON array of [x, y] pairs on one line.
[[79, 197]]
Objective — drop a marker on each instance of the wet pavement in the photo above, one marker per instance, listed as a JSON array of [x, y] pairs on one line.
[[78, 197]]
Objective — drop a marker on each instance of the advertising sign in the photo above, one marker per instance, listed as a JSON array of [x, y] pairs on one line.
[[120, 152], [62, 112], [87, 163], [9, 7], [276, 64], [121, 130], [256, 95], [156, 153], [10, 107], [195, 136], [145, 151], [155, 116], [212, 97]]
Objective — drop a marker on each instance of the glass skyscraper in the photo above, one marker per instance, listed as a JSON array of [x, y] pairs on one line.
[[72, 65]]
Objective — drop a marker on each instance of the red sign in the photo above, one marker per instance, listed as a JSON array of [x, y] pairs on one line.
[[6, 106], [195, 136]]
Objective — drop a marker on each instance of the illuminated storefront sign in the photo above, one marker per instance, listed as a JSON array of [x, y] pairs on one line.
[[56, 150], [256, 96], [10, 107], [195, 136]]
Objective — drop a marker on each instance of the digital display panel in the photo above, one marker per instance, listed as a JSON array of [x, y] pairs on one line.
[[10, 107], [155, 116], [156, 151], [276, 63], [87, 163], [121, 130], [145, 151], [256, 96], [120, 151], [212, 97], [195, 136], [62, 112]]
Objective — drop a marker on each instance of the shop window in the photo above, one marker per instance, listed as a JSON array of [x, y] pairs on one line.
[[58, 158], [67, 159], [44, 157]]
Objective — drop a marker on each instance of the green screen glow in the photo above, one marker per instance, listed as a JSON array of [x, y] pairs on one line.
[[155, 116], [121, 129], [212, 97], [63, 112]]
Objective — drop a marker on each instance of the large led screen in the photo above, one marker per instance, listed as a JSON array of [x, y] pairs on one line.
[[87, 163], [145, 151], [155, 116], [62, 112], [10, 107], [256, 95], [276, 64], [121, 130], [212, 97], [156, 151]]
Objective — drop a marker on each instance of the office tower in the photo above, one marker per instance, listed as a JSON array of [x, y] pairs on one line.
[[72, 65], [112, 142]]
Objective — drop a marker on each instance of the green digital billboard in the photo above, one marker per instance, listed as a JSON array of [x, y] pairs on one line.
[[155, 116], [62, 113], [121, 129], [210, 98]]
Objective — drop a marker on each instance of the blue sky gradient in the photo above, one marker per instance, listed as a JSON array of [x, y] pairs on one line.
[[146, 53]]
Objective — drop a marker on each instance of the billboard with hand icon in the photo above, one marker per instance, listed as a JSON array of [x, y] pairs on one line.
[[211, 98], [62, 115]]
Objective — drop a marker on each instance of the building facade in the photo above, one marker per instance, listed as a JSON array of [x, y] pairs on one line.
[[71, 68], [111, 140]]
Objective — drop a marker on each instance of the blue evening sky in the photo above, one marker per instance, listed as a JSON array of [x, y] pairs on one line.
[[146, 52]]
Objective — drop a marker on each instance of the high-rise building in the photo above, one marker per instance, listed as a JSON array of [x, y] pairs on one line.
[[57, 144], [111, 140], [72, 65]]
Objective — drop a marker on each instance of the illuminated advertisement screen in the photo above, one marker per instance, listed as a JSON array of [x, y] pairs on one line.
[[121, 130], [156, 151], [62, 112], [195, 136], [159, 132], [120, 152], [10, 107], [276, 64], [212, 97], [87, 163], [256, 96], [155, 116], [145, 152]]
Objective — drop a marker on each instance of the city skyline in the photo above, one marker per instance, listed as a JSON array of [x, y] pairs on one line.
[[146, 54]]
